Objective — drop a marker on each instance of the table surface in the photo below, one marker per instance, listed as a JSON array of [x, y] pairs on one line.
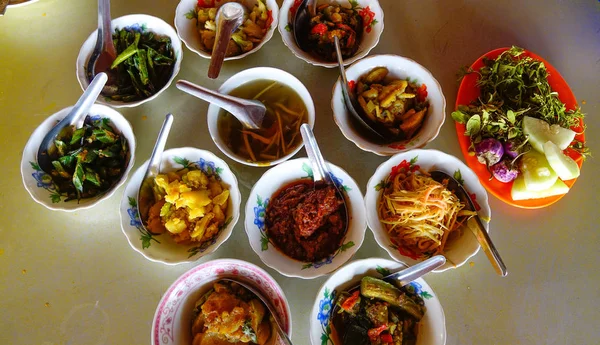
[[71, 278]]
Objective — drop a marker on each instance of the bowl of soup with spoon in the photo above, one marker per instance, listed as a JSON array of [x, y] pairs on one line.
[[288, 104]]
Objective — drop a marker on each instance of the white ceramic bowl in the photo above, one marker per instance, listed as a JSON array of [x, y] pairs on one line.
[[402, 68], [143, 22], [40, 185], [256, 206], [252, 74], [162, 248], [187, 31], [172, 320], [458, 251], [369, 40], [432, 328]]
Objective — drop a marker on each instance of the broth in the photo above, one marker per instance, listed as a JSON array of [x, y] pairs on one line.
[[280, 131]]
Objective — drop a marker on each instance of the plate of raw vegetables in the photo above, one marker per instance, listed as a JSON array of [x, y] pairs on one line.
[[520, 128]]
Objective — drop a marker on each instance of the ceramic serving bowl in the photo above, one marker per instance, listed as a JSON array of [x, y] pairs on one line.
[[187, 31], [369, 10], [162, 248], [39, 184], [139, 22], [246, 76], [172, 320], [258, 202], [432, 328], [399, 68], [457, 251]]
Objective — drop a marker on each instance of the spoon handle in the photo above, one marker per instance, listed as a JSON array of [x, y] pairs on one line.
[[340, 59], [228, 103], [227, 21], [85, 102], [415, 272], [155, 159], [320, 170]]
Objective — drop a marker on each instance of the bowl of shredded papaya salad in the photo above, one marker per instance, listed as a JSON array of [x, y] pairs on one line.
[[414, 217]]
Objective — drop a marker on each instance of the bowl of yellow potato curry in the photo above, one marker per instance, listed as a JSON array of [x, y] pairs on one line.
[[196, 205]]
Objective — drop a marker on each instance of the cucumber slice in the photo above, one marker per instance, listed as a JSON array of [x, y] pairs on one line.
[[564, 166], [537, 172], [520, 192], [540, 131]]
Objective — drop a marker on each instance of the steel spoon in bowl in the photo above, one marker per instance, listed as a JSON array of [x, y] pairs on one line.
[[75, 118], [322, 176], [229, 17], [405, 276], [145, 195], [301, 23], [104, 52], [250, 113], [474, 223], [269, 306], [350, 101]]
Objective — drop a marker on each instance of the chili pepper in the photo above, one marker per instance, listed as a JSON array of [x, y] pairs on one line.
[[206, 3], [319, 29], [349, 302], [387, 338], [351, 85], [422, 93], [374, 333]]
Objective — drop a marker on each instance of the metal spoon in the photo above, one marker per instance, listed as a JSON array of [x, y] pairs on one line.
[[321, 174], [75, 118], [145, 197], [104, 52], [250, 113], [301, 23], [474, 223], [407, 275], [349, 99], [270, 307], [229, 17]]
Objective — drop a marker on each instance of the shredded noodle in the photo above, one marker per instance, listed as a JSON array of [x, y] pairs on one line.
[[420, 213]]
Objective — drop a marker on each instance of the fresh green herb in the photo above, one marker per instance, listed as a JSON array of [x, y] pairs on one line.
[[143, 65], [513, 86], [93, 160]]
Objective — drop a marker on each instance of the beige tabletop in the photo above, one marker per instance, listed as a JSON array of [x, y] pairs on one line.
[[72, 278]]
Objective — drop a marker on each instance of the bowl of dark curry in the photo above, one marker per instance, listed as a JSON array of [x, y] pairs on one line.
[[303, 231]]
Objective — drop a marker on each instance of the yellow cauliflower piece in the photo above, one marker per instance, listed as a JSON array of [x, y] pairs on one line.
[[162, 181], [200, 227], [219, 215], [197, 179], [221, 199], [176, 225], [193, 199]]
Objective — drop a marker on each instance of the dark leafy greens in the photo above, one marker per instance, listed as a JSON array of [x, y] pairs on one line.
[[143, 66], [513, 86], [88, 161]]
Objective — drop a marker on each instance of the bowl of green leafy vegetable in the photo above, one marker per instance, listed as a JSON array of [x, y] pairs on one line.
[[89, 164], [148, 58]]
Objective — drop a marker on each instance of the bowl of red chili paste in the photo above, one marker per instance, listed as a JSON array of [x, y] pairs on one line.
[[299, 230]]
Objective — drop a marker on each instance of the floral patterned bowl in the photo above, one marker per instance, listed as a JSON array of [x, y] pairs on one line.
[[458, 251], [185, 23], [402, 68], [257, 204], [432, 329], [173, 317], [40, 185], [369, 10], [162, 248], [138, 22]]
